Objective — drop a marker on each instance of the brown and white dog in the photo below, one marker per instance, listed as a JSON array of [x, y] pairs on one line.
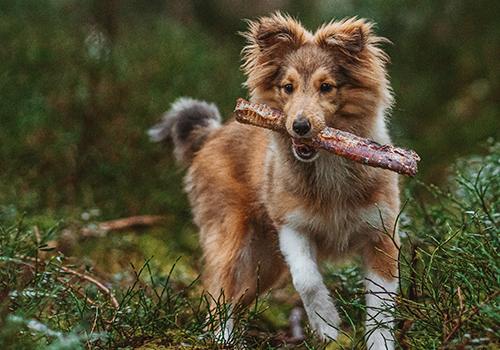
[[264, 201]]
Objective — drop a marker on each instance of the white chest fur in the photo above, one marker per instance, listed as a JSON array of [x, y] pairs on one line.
[[340, 228]]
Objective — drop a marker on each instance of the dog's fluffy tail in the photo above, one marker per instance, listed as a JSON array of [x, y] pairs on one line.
[[188, 124]]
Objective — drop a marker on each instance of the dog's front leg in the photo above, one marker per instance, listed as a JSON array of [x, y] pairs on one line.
[[379, 303], [381, 285], [300, 255]]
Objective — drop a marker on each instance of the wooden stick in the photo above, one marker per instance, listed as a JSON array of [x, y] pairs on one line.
[[401, 160], [146, 220]]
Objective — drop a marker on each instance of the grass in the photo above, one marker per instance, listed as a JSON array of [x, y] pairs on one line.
[[449, 285]]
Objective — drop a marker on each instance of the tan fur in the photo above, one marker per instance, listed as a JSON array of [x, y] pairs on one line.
[[245, 183]]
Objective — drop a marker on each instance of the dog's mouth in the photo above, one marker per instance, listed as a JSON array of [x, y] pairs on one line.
[[304, 152]]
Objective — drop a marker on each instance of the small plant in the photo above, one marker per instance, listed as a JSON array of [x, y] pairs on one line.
[[450, 264]]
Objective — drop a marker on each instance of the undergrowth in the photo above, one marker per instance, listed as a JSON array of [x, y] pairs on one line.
[[449, 285], [47, 304], [450, 264]]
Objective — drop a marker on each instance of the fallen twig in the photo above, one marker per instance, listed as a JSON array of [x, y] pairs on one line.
[[460, 322], [101, 286], [120, 224]]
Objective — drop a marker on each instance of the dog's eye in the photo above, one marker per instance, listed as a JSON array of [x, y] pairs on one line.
[[288, 88], [325, 87]]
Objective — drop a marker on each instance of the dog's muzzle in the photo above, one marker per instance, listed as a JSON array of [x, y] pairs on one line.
[[304, 152]]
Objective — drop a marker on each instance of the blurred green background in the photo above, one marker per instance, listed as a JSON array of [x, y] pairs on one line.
[[82, 81]]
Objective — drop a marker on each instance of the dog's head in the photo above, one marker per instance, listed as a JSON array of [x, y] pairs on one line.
[[335, 77]]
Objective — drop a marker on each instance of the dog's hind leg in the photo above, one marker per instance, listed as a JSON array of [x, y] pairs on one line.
[[242, 260], [300, 255]]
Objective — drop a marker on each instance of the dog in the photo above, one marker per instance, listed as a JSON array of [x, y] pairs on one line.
[[265, 202]]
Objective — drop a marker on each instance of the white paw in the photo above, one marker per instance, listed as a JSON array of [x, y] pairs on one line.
[[225, 333], [326, 332], [380, 339], [325, 326]]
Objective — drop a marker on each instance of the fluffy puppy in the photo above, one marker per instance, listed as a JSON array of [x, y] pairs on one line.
[[265, 202]]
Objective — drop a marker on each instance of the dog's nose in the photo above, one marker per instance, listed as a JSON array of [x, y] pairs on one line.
[[301, 126]]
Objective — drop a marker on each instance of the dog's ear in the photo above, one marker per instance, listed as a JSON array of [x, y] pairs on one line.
[[350, 37], [277, 35], [268, 40]]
